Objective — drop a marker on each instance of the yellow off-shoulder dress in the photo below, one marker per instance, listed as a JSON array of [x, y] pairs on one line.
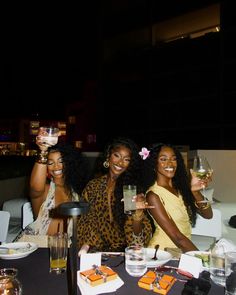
[[177, 211]]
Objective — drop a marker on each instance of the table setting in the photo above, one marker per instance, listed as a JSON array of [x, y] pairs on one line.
[[162, 274], [35, 277]]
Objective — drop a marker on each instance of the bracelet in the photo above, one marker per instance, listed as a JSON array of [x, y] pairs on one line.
[[203, 207], [138, 217], [205, 200], [42, 157]]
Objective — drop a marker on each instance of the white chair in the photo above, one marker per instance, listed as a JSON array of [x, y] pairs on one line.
[[14, 207], [4, 224], [27, 214], [207, 231]]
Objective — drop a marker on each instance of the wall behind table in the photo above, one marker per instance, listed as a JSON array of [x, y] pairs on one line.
[[223, 163], [94, 162], [13, 188], [14, 177]]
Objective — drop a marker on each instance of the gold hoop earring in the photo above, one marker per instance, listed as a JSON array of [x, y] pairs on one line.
[[106, 164]]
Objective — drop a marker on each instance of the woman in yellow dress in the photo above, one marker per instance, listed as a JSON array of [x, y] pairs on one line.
[[176, 198]]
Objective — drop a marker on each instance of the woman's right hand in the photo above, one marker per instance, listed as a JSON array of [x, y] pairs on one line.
[[141, 203], [83, 250], [42, 146]]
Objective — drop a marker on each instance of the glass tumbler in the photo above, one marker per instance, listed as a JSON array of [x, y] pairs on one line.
[[9, 284], [230, 273], [135, 260]]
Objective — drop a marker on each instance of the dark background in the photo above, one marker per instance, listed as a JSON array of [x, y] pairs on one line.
[[51, 52]]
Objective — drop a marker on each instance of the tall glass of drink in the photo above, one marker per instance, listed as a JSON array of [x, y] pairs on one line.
[[129, 191]]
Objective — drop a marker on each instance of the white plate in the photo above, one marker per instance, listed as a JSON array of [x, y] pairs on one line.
[[162, 257], [19, 250], [192, 253]]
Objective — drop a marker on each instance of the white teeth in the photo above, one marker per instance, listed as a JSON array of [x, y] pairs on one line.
[[117, 167], [169, 169], [58, 172]]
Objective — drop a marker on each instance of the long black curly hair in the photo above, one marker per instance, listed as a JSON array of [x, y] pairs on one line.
[[75, 168], [132, 175], [181, 180]]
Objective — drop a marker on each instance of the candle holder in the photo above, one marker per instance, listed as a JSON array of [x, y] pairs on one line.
[[73, 209]]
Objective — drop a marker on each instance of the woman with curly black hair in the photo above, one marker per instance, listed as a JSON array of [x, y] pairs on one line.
[[175, 197], [66, 168], [106, 227]]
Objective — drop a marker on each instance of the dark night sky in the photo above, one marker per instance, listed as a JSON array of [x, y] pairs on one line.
[[48, 53], [37, 88]]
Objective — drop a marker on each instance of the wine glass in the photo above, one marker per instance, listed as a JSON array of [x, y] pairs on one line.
[[48, 135], [202, 168]]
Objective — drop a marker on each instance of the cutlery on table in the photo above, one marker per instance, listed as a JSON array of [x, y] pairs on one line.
[[155, 255]]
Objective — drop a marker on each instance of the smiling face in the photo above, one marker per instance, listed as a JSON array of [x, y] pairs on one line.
[[119, 160], [166, 162], [55, 165]]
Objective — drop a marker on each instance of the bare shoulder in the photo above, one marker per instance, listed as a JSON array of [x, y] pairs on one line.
[[152, 197]]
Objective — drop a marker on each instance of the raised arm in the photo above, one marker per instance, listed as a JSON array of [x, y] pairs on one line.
[[38, 187], [203, 205]]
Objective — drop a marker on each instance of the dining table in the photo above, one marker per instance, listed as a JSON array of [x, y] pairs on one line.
[[34, 275]]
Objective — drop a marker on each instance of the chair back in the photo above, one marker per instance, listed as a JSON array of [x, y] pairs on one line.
[[207, 228], [4, 224], [14, 207], [27, 214]]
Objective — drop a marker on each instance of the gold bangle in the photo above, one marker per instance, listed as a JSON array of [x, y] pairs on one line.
[[205, 200], [42, 157], [203, 207]]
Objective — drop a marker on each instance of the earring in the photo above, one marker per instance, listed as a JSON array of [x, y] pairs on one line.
[[106, 164]]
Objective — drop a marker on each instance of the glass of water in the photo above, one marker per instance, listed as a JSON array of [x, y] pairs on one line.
[[129, 191], [217, 265], [135, 260], [230, 273]]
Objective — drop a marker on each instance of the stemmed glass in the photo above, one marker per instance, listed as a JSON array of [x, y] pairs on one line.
[[202, 168], [48, 135]]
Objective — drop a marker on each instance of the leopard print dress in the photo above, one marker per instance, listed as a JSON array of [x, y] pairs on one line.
[[96, 228]]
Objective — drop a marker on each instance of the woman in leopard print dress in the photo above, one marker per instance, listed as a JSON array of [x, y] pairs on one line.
[[105, 227]]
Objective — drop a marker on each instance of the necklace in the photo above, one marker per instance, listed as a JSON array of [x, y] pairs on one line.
[[110, 191]]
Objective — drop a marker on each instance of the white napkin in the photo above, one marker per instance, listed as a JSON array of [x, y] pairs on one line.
[[87, 260], [190, 264], [225, 245], [107, 287]]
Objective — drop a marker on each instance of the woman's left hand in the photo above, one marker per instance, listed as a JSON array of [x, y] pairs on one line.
[[197, 184]]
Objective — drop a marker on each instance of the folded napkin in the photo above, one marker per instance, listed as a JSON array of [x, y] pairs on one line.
[[224, 245], [107, 287]]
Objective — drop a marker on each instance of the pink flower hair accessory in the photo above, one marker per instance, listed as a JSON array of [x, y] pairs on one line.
[[144, 153]]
